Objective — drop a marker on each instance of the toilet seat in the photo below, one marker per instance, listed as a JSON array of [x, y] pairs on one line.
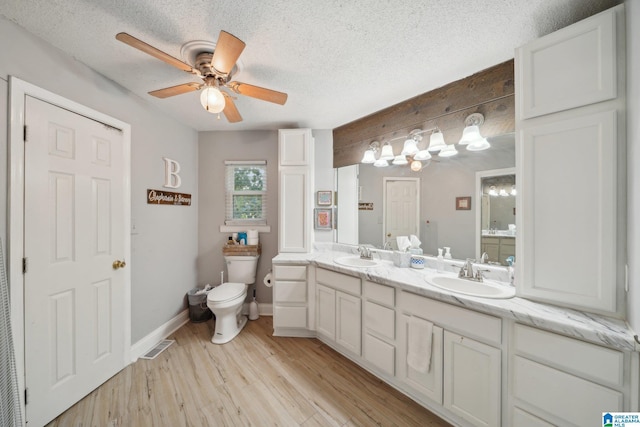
[[226, 292]]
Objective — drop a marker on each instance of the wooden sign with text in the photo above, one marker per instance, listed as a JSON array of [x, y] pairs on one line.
[[161, 197]]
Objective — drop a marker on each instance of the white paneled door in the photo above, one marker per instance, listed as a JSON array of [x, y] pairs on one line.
[[402, 204], [73, 235]]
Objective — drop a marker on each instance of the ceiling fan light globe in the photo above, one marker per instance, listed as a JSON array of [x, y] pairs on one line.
[[212, 100]]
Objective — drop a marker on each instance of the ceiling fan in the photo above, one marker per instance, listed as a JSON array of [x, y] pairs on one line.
[[216, 68]]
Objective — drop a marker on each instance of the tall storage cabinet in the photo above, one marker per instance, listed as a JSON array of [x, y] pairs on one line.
[[570, 102], [295, 179]]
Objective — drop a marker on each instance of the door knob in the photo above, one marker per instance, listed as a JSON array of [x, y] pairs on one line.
[[119, 264]]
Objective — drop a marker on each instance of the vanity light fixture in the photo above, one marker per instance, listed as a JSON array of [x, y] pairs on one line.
[[422, 155], [514, 192], [448, 151], [471, 132], [370, 154], [387, 152], [436, 141], [479, 145], [400, 160], [411, 144], [381, 163], [503, 192], [493, 191]]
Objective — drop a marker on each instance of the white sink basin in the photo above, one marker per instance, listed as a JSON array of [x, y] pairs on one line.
[[355, 261], [486, 289]]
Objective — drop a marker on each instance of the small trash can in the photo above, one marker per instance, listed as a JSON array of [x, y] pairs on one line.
[[198, 310]]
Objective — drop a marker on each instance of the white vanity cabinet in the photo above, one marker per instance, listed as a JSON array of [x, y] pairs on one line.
[[466, 359], [339, 310], [570, 108], [556, 380], [379, 327], [290, 300], [295, 197]]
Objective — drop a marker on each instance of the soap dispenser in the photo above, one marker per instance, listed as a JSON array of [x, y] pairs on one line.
[[447, 253], [440, 262]]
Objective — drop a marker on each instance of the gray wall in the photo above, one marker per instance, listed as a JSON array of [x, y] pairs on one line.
[[439, 187], [214, 149], [164, 242]]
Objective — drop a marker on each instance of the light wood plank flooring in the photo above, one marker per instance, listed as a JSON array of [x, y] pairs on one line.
[[256, 379]]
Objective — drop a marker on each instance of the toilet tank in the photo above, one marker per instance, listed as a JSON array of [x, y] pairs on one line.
[[241, 269]]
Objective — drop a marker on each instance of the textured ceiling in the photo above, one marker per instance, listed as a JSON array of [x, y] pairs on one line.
[[337, 60]]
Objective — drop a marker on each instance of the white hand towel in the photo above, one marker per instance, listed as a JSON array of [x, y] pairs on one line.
[[419, 339]]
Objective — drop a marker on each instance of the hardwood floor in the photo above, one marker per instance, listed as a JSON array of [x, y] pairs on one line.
[[256, 379]]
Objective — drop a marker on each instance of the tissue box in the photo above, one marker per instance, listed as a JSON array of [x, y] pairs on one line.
[[402, 259], [415, 251]]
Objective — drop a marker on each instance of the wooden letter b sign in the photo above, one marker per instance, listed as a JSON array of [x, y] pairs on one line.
[[171, 177]]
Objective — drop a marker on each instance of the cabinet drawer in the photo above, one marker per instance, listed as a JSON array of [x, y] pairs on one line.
[[470, 323], [380, 354], [576, 401], [522, 418], [338, 281], [290, 291], [290, 317], [290, 272], [379, 319], [591, 361], [382, 294]]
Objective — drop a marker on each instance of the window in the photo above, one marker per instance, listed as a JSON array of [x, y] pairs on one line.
[[246, 196]]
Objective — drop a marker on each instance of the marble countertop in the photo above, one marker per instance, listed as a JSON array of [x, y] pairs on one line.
[[611, 332]]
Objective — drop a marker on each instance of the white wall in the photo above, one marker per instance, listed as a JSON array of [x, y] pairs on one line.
[[633, 161], [164, 244], [214, 149]]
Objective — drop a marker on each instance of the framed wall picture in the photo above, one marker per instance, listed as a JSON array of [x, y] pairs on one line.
[[324, 198], [463, 203], [323, 219]]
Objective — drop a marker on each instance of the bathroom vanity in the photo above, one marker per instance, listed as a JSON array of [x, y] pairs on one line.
[[510, 362]]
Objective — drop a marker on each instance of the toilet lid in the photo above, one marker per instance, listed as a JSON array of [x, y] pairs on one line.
[[225, 292]]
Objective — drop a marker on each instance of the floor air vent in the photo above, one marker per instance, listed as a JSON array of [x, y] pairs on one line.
[[159, 348]]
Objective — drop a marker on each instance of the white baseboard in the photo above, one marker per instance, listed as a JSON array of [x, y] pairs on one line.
[[148, 342]]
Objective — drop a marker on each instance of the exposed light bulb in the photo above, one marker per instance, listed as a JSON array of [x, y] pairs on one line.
[[212, 99], [416, 165]]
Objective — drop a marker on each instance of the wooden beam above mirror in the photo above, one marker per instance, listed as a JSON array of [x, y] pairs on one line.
[[490, 92]]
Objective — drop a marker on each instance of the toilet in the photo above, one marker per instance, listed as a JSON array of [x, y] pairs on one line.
[[225, 301]]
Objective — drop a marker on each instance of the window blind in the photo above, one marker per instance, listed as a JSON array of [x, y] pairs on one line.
[[246, 192]]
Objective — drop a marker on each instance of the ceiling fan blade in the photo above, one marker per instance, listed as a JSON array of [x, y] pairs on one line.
[[258, 92], [175, 90], [227, 51], [230, 111], [156, 53]]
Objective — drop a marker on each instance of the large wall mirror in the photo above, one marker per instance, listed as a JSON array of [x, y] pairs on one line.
[[447, 200]]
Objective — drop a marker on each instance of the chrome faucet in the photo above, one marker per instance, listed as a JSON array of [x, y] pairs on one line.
[[387, 246], [466, 271], [484, 258], [365, 253]]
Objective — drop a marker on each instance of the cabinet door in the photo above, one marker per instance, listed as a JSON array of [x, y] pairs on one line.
[[295, 212], [472, 375], [569, 68], [569, 237], [428, 384], [349, 322], [326, 313], [294, 147]]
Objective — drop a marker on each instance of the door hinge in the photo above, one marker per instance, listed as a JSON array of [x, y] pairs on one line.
[[24, 265], [26, 395], [24, 134]]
